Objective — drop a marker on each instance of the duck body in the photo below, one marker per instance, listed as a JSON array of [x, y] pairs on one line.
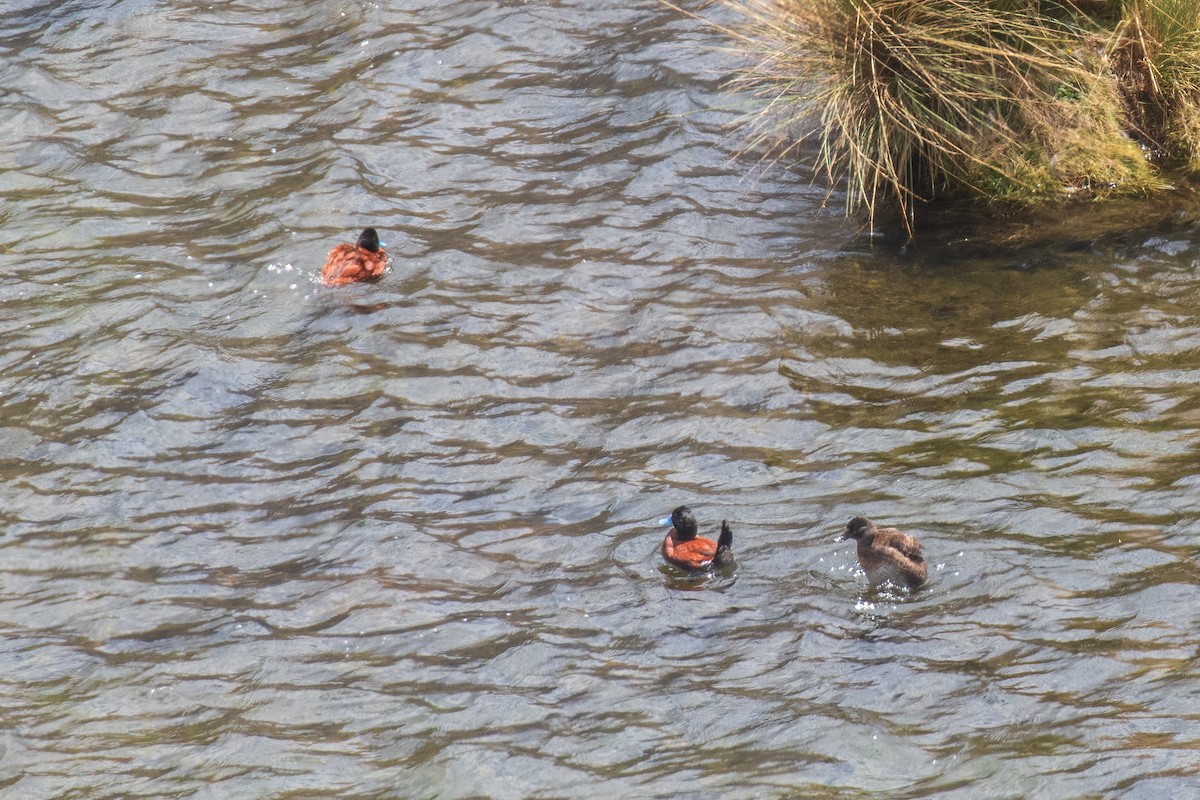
[[685, 548], [362, 261], [887, 554]]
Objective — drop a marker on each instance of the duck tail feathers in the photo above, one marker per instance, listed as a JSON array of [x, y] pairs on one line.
[[726, 539], [724, 554]]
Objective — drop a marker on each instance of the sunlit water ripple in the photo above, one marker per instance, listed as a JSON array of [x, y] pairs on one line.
[[267, 540]]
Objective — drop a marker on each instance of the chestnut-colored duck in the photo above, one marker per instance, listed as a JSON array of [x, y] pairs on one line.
[[353, 263], [887, 554], [685, 548]]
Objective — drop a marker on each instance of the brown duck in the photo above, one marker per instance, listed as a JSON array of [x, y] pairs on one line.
[[887, 554], [685, 548], [365, 260]]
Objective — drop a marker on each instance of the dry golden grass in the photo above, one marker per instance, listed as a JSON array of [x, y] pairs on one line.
[[903, 100], [1155, 49]]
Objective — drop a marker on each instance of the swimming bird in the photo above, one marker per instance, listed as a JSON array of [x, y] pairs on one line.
[[684, 548], [887, 554], [350, 263]]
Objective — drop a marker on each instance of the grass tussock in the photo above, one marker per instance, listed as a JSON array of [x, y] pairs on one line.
[[1156, 56], [904, 100]]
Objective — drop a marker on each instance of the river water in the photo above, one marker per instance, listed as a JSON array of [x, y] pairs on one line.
[[264, 539]]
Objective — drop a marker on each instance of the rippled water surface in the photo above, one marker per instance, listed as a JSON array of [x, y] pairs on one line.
[[264, 539]]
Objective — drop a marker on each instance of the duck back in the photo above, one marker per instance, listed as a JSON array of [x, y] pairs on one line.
[[355, 263], [692, 554], [892, 555]]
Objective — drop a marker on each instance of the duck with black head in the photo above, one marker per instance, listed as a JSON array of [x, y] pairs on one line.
[[887, 554], [685, 547], [365, 260]]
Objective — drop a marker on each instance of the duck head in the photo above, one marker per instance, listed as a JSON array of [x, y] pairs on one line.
[[860, 529], [369, 240], [684, 522]]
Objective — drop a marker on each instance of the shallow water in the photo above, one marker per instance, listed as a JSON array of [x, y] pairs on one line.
[[268, 540]]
